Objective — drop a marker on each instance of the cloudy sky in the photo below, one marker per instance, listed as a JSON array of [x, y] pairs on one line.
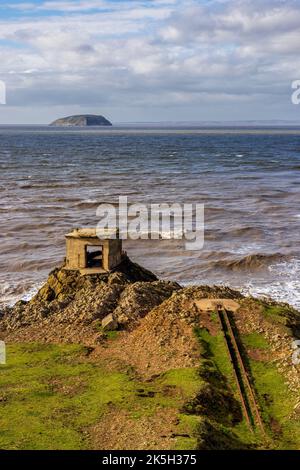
[[149, 60]]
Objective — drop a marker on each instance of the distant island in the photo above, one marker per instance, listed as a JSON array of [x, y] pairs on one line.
[[82, 120]]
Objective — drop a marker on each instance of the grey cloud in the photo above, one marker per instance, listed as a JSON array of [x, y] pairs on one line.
[[188, 54]]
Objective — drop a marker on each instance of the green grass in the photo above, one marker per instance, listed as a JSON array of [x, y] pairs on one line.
[[255, 341], [111, 335], [51, 394], [276, 314], [186, 379], [214, 317], [277, 404], [218, 350], [219, 373], [188, 424]]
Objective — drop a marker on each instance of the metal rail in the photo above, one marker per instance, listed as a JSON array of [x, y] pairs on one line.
[[248, 400]]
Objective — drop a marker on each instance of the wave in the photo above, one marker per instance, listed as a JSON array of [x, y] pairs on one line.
[[25, 265], [246, 231], [285, 287], [252, 262], [25, 246], [10, 293], [87, 204]]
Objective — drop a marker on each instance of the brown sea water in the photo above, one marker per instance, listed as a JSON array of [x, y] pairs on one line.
[[52, 180]]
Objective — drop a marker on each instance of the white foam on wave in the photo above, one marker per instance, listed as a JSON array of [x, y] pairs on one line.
[[10, 294], [283, 285], [247, 249], [286, 287], [31, 292]]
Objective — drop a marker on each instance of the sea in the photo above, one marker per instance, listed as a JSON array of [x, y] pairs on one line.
[[247, 177]]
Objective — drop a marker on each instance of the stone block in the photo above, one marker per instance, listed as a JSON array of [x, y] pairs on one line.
[[109, 323]]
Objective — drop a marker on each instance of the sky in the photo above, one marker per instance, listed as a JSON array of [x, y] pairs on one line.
[[149, 60]]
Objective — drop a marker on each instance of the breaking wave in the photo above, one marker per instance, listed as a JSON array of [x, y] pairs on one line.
[[252, 262], [286, 287]]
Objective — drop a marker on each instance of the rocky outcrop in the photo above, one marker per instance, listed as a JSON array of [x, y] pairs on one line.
[[81, 120], [71, 307]]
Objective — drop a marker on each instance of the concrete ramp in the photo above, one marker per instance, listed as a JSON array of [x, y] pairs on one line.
[[211, 305]]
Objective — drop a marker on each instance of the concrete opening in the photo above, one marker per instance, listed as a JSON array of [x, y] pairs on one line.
[[94, 256], [92, 251]]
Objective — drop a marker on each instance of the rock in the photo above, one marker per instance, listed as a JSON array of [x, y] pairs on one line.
[[109, 323], [139, 298], [81, 120], [117, 278]]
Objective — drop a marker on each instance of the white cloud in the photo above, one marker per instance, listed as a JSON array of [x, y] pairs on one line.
[[72, 5], [68, 6], [163, 52]]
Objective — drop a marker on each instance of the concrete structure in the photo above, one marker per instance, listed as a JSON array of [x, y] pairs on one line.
[[211, 305], [86, 252]]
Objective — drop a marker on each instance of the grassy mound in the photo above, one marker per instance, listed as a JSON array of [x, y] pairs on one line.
[[52, 397]]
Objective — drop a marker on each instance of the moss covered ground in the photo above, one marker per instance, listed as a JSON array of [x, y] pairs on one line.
[[227, 427], [51, 395], [276, 401]]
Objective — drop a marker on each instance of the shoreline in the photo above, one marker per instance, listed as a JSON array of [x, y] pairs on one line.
[[264, 291]]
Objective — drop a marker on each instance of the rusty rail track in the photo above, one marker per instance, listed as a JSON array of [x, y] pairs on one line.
[[247, 395]]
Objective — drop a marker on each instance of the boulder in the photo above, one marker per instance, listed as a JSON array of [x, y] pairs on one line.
[[109, 323]]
